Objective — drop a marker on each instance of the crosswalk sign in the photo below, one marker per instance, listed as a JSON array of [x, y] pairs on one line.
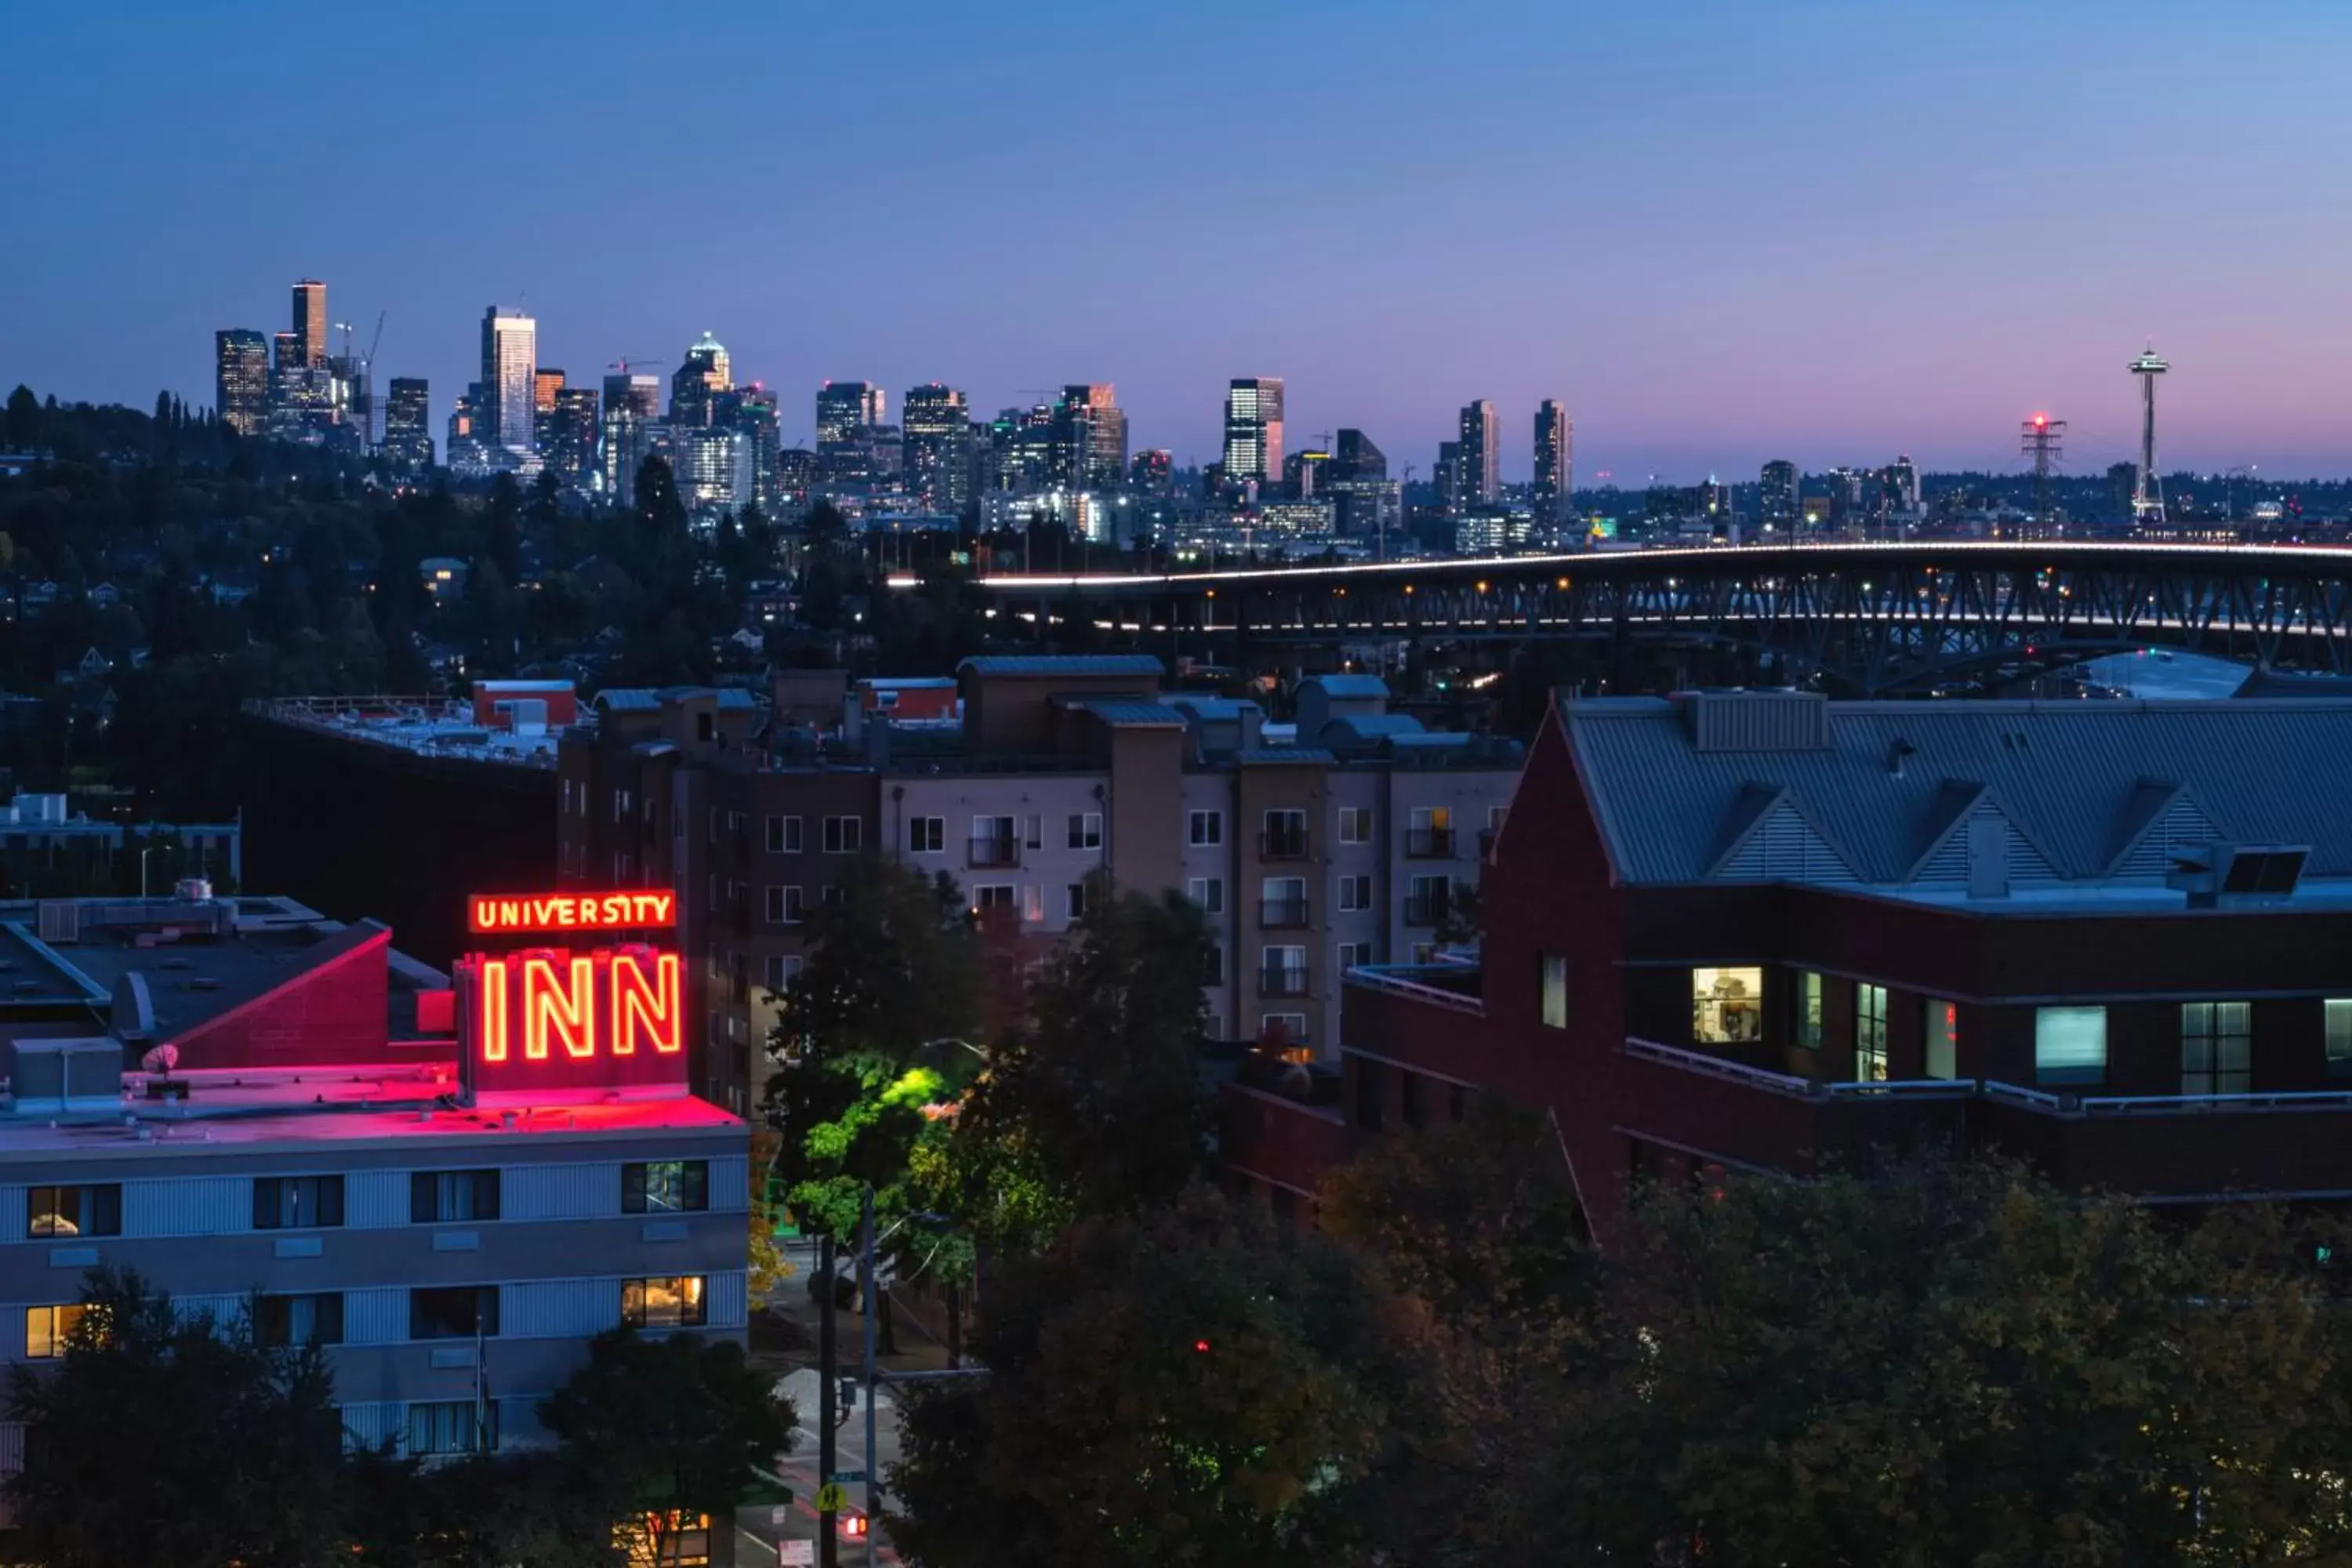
[[831, 1498]]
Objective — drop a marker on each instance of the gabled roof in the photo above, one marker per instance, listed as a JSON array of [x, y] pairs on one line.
[[1755, 807], [1348, 686], [2072, 779]]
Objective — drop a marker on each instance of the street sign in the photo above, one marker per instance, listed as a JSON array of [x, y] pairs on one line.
[[849, 1477], [779, 1516], [831, 1499], [795, 1555]]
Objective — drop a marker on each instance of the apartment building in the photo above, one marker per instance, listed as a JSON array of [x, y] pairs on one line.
[[1343, 846], [1762, 931], [263, 1111]]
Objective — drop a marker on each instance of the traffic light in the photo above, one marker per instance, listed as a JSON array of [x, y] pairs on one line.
[[1200, 1347], [853, 1524]]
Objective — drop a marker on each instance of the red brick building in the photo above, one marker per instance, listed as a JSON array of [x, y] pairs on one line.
[[1758, 929]]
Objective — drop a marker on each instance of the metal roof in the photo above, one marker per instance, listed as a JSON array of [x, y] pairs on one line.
[[1348, 685], [1135, 714], [2079, 780], [1082, 664], [627, 700]]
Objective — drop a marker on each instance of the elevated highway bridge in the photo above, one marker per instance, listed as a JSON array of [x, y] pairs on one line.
[[1871, 619]]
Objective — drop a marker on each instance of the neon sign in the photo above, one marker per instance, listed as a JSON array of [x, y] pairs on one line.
[[546, 1020], [487, 913]]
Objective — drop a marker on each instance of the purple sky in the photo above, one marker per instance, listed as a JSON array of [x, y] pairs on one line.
[[1721, 231]]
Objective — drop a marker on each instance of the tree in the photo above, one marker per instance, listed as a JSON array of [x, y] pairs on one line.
[[1184, 1386], [1101, 1107], [161, 1436], [663, 1432]]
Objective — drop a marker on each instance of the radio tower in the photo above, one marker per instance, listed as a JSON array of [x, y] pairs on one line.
[[2148, 495], [2043, 439]]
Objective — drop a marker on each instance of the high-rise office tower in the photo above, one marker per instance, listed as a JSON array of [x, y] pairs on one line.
[[632, 405], [509, 360], [845, 410], [1306, 475], [935, 444], [1253, 429], [1555, 462], [1477, 473], [1777, 495], [311, 322], [1152, 472], [546, 385], [407, 424], [570, 445], [754, 413], [700, 377], [1446, 475], [1364, 499], [289, 386], [241, 380], [1089, 438]]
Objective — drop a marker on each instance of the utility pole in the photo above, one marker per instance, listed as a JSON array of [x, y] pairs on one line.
[[828, 1541], [873, 1385]]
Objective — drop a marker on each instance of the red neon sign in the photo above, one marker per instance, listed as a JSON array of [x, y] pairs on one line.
[[562, 1013], [494, 912]]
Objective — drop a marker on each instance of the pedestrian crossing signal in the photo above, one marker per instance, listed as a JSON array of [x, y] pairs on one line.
[[852, 1525]]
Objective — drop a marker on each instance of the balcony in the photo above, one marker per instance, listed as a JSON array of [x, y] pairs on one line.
[[1282, 844], [1427, 908], [1283, 914], [994, 852], [1724, 1110], [1282, 980], [2183, 1146], [1429, 844]]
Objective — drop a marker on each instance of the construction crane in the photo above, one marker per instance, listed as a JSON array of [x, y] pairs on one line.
[[629, 362]]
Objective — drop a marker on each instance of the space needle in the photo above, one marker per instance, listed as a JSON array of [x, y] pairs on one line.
[[2148, 495]]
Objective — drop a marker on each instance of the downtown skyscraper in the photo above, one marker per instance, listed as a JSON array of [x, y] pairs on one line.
[[1254, 428], [699, 378], [1555, 462], [1477, 470], [1089, 438], [241, 380], [935, 427], [311, 323], [507, 418], [407, 424]]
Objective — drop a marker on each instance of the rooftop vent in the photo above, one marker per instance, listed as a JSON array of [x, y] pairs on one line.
[[2217, 876], [1758, 721]]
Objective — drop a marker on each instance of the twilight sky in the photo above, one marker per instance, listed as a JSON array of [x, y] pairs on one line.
[[1721, 230]]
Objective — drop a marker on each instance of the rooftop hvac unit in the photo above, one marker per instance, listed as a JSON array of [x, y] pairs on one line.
[[2219, 875], [60, 920], [193, 889]]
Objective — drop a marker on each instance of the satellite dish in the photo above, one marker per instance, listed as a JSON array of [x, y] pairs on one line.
[[160, 1060]]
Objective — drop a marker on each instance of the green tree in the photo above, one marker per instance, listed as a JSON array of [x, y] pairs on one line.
[[1184, 1386], [660, 1432], [244, 1470]]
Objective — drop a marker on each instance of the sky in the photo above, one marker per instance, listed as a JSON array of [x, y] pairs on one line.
[[1720, 231]]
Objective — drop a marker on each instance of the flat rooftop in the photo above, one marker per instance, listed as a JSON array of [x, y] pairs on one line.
[[429, 730]]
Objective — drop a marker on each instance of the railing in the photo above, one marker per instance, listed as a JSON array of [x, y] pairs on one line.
[[1789, 1085], [1282, 914], [2075, 1106], [1392, 980], [1282, 982], [995, 851], [1427, 908], [1905, 1088], [1429, 844], [1282, 844]]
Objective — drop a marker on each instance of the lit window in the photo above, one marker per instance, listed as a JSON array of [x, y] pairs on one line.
[[2070, 1044], [1555, 991], [1943, 1039], [74, 1211], [2338, 1015], [1727, 1006], [668, 1301], [2216, 1048], [664, 1187], [1809, 1010], [1869, 1033], [47, 1329]]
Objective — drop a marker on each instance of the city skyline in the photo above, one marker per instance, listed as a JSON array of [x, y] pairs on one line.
[[1696, 306]]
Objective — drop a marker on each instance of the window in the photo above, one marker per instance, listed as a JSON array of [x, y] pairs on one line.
[[297, 1203], [1355, 893], [1869, 1033], [1085, 831], [1354, 955], [1032, 901], [926, 835], [453, 1312], [1073, 901], [1555, 991], [1371, 1092], [1286, 1029], [1355, 824], [1037, 832], [1282, 972], [1427, 899], [281, 1321], [1809, 1009], [784, 836], [1285, 838], [2070, 1044], [1213, 1027], [1494, 816], [47, 1330], [995, 841], [666, 1187], [441, 1197], [782, 969], [74, 1211], [1282, 902], [843, 835], [2337, 1013], [1212, 965], [2216, 1048], [993, 896], [1205, 828], [1209, 892], [667, 1302], [1943, 1035], [453, 1427], [784, 906], [1727, 1006], [1430, 831], [833, 896], [1413, 1112]]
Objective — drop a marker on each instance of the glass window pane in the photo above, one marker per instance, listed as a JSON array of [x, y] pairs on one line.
[[2070, 1044], [1727, 1006]]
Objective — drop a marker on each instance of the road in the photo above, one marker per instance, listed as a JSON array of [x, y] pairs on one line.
[[758, 1531]]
